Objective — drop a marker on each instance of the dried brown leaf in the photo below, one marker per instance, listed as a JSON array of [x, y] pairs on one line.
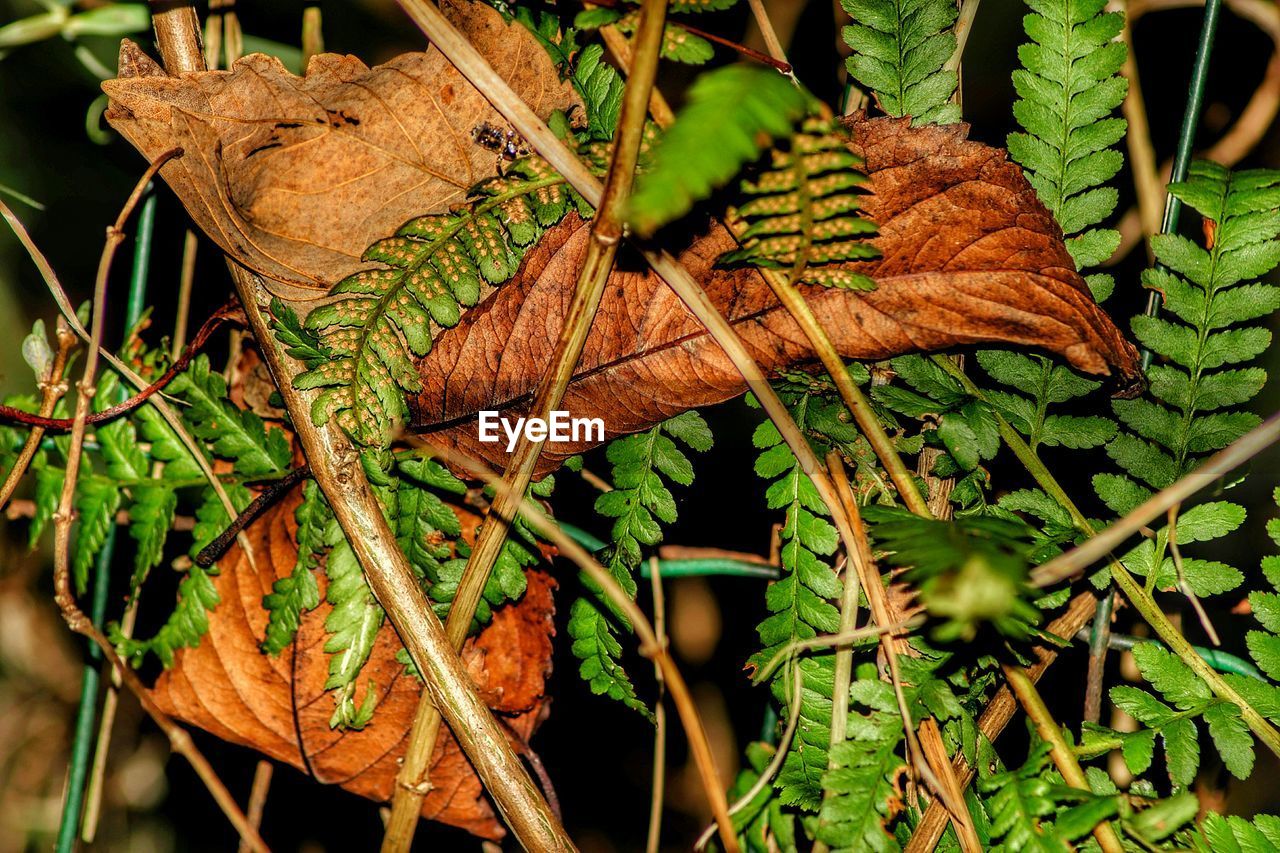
[[295, 177], [969, 255], [278, 705]]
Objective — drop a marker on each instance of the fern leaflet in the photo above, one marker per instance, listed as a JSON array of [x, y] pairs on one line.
[[435, 265], [803, 212], [900, 50]]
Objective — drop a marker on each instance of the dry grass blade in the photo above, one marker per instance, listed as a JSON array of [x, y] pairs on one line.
[[658, 787]]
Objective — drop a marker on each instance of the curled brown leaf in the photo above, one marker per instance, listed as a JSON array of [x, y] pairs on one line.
[[295, 177], [279, 707], [969, 255]]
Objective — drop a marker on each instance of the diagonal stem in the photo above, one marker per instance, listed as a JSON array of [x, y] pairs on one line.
[[650, 644], [337, 470], [1064, 758], [606, 234]]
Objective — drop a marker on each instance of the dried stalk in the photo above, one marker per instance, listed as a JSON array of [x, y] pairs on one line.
[[938, 775], [76, 620], [52, 388], [650, 646], [335, 464], [605, 236], [998, 714], [336, 467], [659, 776], [258, 796], [1063, 756]]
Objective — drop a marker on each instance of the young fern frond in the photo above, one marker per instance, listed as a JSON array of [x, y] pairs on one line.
[[899, 50], [861, 807], [295, 594], [435, 265], [1068, 88], [803, 216], [1207, 295], [353, 626], [639, 504], [731, 115]]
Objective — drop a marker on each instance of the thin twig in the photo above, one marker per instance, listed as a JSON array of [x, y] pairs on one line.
[[650, 647], [258, 796], [997, 715], [186, 283], [605, 237], [312, 33], [274, 491], [939, 776], [962, 29], [770, 36], [166, 411], [41, 421], [1063, 756], [336, 467], [1185, 588], [780, 750], [62, 518], [659, 776], [52, 387]]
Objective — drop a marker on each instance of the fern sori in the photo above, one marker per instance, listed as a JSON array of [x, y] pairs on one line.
[[803, 216], [900, 53], [1207, 295], [731, 115], [638, 503], [434, 266], [1068, 87]]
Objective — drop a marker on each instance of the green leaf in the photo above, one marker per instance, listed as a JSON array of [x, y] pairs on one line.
[[729, 112], [297, 593], [899, 50], [352, 625]]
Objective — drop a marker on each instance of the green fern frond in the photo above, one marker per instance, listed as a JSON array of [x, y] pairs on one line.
[[295, 594], [900, 49], [731, 114], [1068, 87], [803, 216], [352, 626], [184, 628], [639, 504], [1208, 295], [381, 318]]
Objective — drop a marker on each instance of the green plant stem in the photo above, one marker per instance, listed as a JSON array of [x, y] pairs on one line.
[[843, 673], [1216, 658], [1186, 140], [82, 741], [606, 235], [1137, 595], [1064, 758], [1099, 642]]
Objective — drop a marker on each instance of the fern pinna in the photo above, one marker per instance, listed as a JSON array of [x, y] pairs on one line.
[[901, 51], [639, 503], [435, 266], [802, 213]]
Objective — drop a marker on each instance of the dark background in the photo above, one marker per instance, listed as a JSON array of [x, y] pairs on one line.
[[597, 752]]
